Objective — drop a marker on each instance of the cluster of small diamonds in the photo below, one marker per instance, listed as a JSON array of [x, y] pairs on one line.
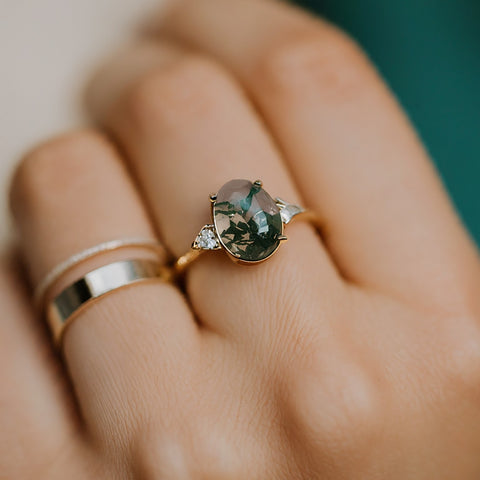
[[207, 239]]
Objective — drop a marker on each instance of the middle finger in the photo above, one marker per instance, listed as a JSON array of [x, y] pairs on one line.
[[188, 129]]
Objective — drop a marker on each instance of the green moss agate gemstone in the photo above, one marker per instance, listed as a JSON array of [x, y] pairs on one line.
[[247, 220]]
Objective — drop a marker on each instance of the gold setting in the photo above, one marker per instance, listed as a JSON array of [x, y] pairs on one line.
[[290, 211]]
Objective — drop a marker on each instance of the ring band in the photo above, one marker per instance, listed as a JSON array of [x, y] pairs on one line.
[[95, 284], [247, 224], [110, 246]]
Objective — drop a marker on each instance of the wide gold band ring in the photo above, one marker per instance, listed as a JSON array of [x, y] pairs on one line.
[[96, 284], [62, 268], [247, 223]]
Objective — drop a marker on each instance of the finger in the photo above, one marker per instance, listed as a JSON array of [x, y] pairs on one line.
[[351, 150], [37, 414], [69, 195], [188, 129]]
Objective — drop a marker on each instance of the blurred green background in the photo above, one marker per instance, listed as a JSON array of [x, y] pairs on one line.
[[429, 52]]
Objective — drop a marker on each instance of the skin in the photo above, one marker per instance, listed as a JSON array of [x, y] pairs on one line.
[[351, 355]]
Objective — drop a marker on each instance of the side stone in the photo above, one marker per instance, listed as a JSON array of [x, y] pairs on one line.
[[207, 239]]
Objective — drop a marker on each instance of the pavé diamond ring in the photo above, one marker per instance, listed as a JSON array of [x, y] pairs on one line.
[[247, 223]]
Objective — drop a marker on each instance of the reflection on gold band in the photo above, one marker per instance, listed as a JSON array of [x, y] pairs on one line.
[[96, 284]]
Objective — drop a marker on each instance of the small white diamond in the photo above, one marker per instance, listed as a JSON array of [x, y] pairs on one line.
[[207, 240], [289, 211]]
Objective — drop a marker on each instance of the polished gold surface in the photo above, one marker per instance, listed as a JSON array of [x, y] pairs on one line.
[[185, 260], [96, 284]]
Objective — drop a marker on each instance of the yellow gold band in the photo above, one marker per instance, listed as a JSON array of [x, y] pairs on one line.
[[96, 284], [189, 257]]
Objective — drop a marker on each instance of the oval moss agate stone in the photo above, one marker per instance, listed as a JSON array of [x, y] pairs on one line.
[[247, 221]]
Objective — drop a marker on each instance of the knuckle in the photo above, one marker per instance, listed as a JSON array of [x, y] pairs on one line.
[[157, 457], [463, 358], [160, 456], [171, 96], [47, 167], [336, 413], [331, 63]]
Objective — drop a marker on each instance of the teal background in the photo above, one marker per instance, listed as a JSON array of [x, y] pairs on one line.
[[429, 52]]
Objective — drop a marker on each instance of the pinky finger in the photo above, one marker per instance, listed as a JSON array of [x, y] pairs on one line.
[[39, 425]]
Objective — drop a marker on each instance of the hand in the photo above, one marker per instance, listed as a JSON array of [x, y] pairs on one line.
[[355, 355]]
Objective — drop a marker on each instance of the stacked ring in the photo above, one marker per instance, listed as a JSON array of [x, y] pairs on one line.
[[96, 284], [62, 310]]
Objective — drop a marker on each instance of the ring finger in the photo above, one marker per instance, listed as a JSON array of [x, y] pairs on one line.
[[188, 129]]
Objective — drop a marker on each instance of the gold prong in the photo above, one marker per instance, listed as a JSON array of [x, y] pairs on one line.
[[258, 183], [283, 238], [213, 197]]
